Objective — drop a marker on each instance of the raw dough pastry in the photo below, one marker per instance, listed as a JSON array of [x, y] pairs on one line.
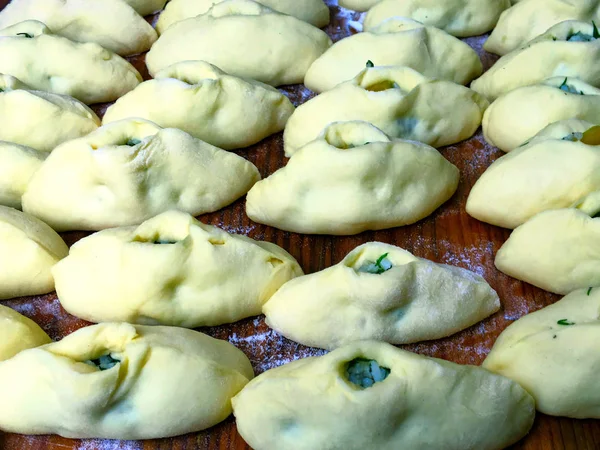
[[557, 250], [371, 395], [379, 291], [131, 170], [186, 274], [530, 18], [17, 166], [351, 179], [358, 5], [111, 24], [554, 353], [401, 102], [549, 55], [550, 172], [18, 333], [146, 7], [41, 120], [202, 100], [460, 18], [314, 12], [28, 250], [518, 115], [120, 381], [244, 39], [397, 42], [29, 52]]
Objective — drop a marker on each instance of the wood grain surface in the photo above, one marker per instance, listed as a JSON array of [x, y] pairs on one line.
[[447, 236]]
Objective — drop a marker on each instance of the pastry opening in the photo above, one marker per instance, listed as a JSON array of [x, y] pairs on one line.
[[365, 373], [348, 135], [157, 239], [25, 35], [377, 267], [381, 85], [589, 137], [132, 142], [565, 86], [578, 36], [104, 362], [216, 241]]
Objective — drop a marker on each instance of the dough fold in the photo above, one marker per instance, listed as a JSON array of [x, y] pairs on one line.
[[112, 24], [558, 52], [146, 7], [518, 115], [554, 353], [401, 300], [314, 12], [351, 179], [530, 18], [28, 250], [120, 381], [200, 99], [41, 120], [186, 274], [18, 333], [460, 18], [554, 170], [129, 171], [17, 166], [421, 403], [398, 100], [557, 250], [396, 42], [88, 72], [245, 39]]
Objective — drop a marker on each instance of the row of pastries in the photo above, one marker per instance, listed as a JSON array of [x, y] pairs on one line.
[[387, 97]]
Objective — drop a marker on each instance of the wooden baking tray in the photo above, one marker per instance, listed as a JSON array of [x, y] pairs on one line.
[[448, 236]]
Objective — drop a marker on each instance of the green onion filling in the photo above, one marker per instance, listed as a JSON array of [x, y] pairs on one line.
[[105, 362], [27, 35], [383, 264], [370, 64], [366, 372], [133, 141], [568, 88]]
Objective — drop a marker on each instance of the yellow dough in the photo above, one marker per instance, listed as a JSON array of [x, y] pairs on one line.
[[554, 353], [146, 7], [314, 12], [530, 18], [202, 100], [358, 5], [549, 55], [557, 250], [120, 381], [398, 100], [41, 120], [460, 18], [397, 42], [111, 24], [18, 333], [421, 403], [186, 274], [518, 115], [244, 39], [28, 250], [400, 300], [55, 64], [17, 166], [131, 170], [351, 179], [550, 172]]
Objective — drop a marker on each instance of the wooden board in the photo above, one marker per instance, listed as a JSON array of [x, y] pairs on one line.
[[448, 236]]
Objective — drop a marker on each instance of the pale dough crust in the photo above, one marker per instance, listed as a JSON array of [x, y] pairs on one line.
[[131, 170], [167, 381], [202, 100], [554, 353], [415, 300], [17, 166], [171, 270], [244, 39], [424, 403], [28, 250], [56, 64], [394, 43], [398, 100], [111, 24], [384, 183], [18, 333]]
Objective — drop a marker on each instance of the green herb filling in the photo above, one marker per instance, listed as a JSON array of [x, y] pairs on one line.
[[105, 362], [378, 267], [366, 372]]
